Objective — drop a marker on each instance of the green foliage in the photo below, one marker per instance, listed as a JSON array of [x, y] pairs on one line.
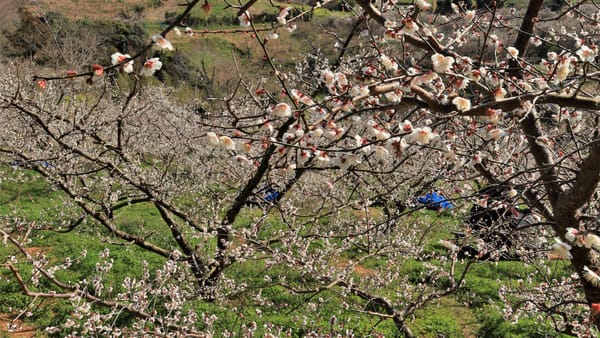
[[437, 323], [29, 196], [126, 37], [493, 325], [43, 37]]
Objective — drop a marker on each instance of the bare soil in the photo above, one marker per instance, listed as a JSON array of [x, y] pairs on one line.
[[88, 9], [21, 331]]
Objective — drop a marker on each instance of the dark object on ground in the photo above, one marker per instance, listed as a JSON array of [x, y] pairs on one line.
[[497, 222], [435, 201], [262, 196]]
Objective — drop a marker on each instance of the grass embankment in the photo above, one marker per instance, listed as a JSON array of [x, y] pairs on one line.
[[472, 312]]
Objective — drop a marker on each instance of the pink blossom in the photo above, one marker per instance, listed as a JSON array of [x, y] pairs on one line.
[[423, 5], [161, 42], [98, 69], [512, 52], [410, 26], [405, 126], [422, 135], [560, 250], [245, 19], [499, 93], [281, 110], [118, 58], [150, 66], [572, 234], [381, 153], [226, 143], [283, 13], [461, 103], [389, 64], [496, 133], [442, 64], [213, 139], [591, 276], [587, 54]]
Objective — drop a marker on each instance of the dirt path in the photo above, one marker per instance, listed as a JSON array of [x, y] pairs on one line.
[[20, 331]]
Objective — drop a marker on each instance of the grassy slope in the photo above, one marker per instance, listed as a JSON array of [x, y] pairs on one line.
[[454, 316], [211, 45]]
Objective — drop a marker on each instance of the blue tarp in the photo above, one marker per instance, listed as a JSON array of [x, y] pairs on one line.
[[435, 201], [268, 194]]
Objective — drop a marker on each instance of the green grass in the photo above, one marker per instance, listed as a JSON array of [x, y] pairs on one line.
[[471, 312]]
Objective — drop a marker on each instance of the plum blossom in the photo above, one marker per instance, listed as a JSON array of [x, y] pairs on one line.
[[378, 131], [394, 96], [281, 110], [302, 98], [97, 69], [322, 157], [226, 143], [572, 234], [346, 160], [587, 54], [422, 135], [442, 64], [189, 31], [213, 139], [405, 126], [560, 250], [328, 77], [410, 26], [591, 276], [283, 13], [42, 84], [316, 133], [563, 69], [389, 64], [536, 41], [512, 52], [397, 145], [243, 161], [496, 133], [499, 93], [118, 58], [448, 245], [589, 240], [150, 66], [381, 152], [245, 19], [161, 42], [341, 79], [291, 28], [423, 5], [362, 143], [357, 90], [304, 155], [469, 15], [461, 103]]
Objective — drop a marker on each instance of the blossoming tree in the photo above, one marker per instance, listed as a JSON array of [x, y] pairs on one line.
[[413, 100]]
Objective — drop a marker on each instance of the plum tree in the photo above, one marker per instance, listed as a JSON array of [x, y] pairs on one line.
[[412, 101]]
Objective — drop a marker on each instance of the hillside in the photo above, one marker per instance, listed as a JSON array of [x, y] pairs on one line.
[[95, 9], [209, 54]]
